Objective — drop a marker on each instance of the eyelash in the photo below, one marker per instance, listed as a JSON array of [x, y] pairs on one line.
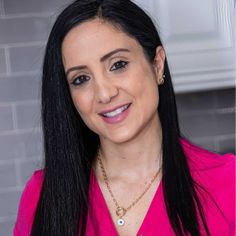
[[119, 65], [80, 80]]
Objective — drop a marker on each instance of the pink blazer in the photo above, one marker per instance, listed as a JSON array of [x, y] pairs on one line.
[[216, 173]]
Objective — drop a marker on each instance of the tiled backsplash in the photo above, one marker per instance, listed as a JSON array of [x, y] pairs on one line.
[[207, 118]]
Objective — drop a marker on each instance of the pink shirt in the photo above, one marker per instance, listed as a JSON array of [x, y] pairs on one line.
[[216, 173]]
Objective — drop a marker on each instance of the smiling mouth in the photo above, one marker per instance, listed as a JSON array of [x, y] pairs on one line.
[[116, 112]]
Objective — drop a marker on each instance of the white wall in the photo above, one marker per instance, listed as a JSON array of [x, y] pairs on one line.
[[199, 37]]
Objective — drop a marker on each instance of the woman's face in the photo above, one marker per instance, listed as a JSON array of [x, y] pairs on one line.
[[113, 86]]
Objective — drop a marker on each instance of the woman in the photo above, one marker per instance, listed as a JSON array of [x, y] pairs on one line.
[[115, 162]]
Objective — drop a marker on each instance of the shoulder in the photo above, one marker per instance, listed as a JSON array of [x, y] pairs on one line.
[[215, 173], [32, 188], [209, 168], [28, 204], [200, 159]]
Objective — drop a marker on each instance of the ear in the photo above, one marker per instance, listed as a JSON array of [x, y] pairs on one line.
[[158, 63]]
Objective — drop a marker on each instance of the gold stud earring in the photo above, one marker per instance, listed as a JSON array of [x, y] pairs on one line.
[[162, 80]]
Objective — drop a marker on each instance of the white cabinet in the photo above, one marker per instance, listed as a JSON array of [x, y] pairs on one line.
[[199, 39]]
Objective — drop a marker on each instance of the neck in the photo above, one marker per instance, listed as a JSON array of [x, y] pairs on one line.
[[137, 158]]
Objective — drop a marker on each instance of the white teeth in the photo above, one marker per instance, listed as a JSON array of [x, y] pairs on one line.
[[116, 112]]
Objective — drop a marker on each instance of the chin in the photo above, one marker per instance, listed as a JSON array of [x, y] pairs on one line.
[[121, 137]]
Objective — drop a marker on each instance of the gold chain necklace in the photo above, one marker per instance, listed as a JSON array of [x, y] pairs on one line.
[[121, 211]]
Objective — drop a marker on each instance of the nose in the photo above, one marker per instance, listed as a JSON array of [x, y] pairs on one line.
[[105, 90]]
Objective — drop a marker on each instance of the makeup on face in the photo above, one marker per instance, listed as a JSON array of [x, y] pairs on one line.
[[112, 84]]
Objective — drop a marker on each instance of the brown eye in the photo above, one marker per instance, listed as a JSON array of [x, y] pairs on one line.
[[119, 65], [80, 80]]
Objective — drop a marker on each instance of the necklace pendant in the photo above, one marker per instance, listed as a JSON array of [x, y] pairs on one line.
[[120, 222], [120, 212]]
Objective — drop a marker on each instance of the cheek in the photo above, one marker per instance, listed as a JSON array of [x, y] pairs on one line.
[[149, 94], [146, 86], [81, 102], [84, 108]]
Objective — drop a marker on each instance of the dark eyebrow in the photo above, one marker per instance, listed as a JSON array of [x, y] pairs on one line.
[[105, 57], [75, 68], [102, 59]]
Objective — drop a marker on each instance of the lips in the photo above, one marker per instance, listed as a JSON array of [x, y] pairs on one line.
[[114, 111], [116, 115]]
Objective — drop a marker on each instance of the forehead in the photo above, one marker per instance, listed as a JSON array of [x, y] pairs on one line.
[[97, 37]]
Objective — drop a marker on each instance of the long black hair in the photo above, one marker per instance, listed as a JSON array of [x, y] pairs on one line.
[[70, 146]]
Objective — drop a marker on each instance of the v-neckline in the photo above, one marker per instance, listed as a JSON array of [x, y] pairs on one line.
[[106, 209]]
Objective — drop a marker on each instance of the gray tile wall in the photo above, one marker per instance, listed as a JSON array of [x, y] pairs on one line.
[[207, 117], [24, 27]]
